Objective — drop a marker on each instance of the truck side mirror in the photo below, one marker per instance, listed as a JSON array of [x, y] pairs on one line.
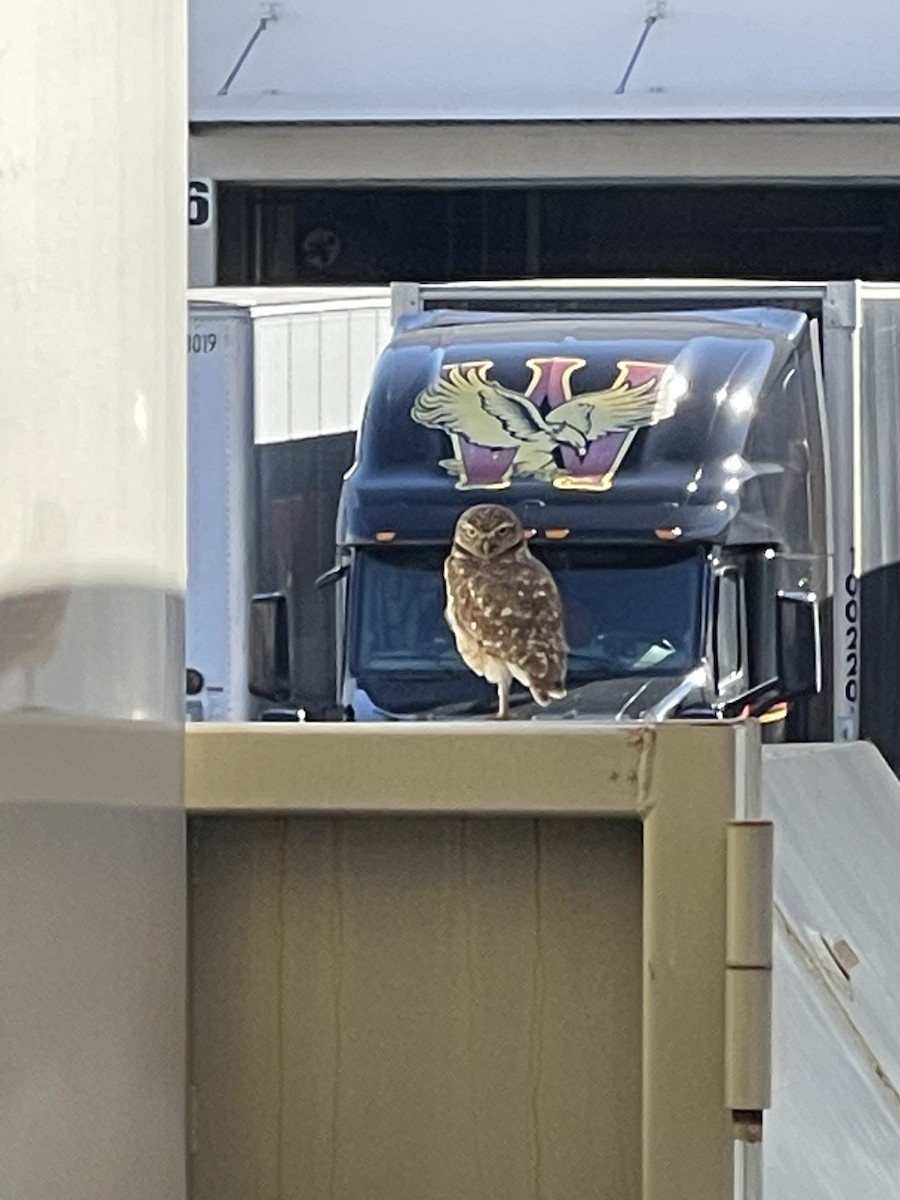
[[268, 648], [799, 644]]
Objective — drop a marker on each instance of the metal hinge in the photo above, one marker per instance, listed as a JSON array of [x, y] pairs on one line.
[[748, 975]]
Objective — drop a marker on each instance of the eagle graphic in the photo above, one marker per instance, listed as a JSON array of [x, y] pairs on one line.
[[516, 439]]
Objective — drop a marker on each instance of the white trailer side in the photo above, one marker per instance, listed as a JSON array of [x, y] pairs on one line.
[[220, 527], [268, 367]]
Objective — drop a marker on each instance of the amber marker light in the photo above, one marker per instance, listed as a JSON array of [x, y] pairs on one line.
[[670, 534], [777, 712], [385, 535], [556, 535]]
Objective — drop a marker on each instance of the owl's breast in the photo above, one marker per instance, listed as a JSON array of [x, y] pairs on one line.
[[466, 639], [507, 615]]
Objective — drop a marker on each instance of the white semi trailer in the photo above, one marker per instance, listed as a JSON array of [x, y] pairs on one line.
[[277, 379]]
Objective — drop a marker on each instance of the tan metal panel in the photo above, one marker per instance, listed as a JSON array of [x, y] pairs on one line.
[[406, 979], [435, 767], [411, 1007]]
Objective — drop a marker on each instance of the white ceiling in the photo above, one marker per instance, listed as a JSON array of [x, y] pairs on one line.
[[331, 60]]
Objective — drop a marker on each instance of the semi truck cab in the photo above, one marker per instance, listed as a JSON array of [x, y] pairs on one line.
[[669, 469]]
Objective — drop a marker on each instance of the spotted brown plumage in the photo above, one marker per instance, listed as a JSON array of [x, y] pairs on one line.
[[503, 606]]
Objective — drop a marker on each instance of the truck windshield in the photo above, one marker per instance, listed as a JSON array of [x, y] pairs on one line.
[[627, 612]]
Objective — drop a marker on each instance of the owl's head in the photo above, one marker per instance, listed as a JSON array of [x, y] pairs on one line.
[[486, 530]]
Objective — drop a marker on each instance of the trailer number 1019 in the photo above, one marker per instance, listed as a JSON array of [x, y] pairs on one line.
[[201, 343]]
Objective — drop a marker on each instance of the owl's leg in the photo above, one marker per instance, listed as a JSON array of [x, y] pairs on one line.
[[503, 693]]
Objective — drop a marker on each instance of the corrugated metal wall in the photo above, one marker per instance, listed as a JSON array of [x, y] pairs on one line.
[[313, 368]]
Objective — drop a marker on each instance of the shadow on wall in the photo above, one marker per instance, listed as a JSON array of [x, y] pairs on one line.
[[879, 667], [812, 719], [299, 492]]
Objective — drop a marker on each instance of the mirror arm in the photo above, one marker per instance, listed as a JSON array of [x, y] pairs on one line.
[[768, 692]]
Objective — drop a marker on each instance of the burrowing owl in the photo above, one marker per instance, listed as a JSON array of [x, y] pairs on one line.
[[504, 607]]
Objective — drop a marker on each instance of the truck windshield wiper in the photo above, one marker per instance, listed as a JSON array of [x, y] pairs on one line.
[[488, 707], [470, 708], [412, 674], [599, 668]]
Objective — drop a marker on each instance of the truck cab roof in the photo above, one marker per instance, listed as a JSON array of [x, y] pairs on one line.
[[611, 427]]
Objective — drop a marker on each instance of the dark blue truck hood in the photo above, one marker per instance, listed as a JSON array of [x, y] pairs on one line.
[[623, 699], [611, 427]]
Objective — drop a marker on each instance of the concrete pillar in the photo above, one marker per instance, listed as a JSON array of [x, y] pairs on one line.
[[92, 572]]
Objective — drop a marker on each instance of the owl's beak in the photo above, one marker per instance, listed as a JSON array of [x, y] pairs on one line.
[[485, 548]]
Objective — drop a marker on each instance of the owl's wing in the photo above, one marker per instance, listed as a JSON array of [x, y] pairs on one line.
[[619, 408], [466, 402]]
